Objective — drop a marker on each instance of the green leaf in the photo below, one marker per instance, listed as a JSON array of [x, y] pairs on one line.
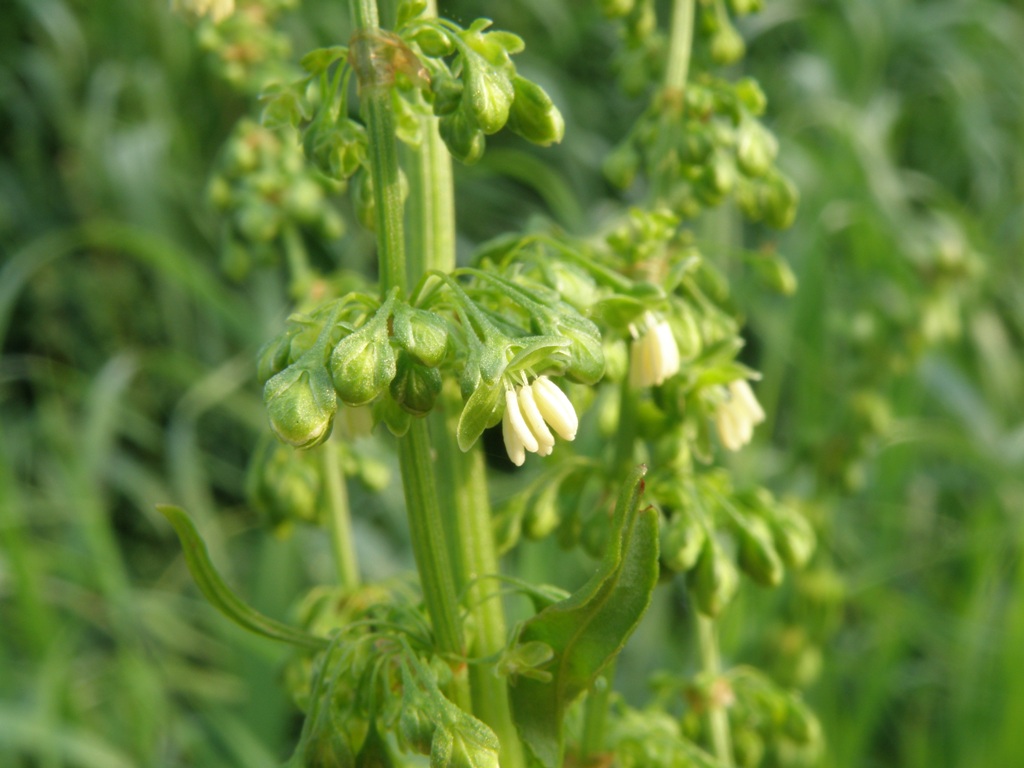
[[588, 629], [197, 557]]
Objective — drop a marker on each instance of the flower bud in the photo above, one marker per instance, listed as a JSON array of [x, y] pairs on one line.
[[415, 730], [749, 92], [780, 199], [713, 580], [363, 364], [433, 42], [757, 554], [756, 148], [727, 46], [616, 9], [415, 387], [488, 92], [447, 94], [284, 484], [682, 540], [794, 536], [421, 334], [542, 516], [463, 136], [301, 403], [586, 355], [533, 115]]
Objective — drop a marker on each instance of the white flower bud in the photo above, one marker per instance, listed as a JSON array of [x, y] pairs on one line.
[[737, 415], [654, 354], [556, 408], [529, 411]]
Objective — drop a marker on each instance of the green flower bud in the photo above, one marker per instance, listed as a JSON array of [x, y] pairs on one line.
[[758, 556], [543, 516], [415, 387], [433, 42], [794, 536], [447, 94], [756, 148], [393, 415], [336, 150], [780, 201], [616, 9], [303, 200], [727, 46], [488, 92], [422, 334], [776, 272], [745, 7], [713, 580], [694, 143], [717, 179], [415, 730], [258, 220], [463, 136], [284, 484], [751, 96], [533, 115], [682, 540], [363, 364], [301, 403]]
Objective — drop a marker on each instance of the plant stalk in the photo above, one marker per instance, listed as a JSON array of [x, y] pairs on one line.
[[414, 449], [339, 519], [680, 45], [711, 666]]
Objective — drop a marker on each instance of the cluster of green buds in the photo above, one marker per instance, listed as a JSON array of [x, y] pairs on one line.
[[711, 532], [704, 146], [767, 722], [473, 85], [244, 37], [640, 57], [268, 194], [375, 677]]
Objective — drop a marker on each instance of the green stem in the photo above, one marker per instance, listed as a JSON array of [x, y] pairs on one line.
[[339, 520], [680, 45], [473, 543], [463, 480], [595, 715], [711, 666], [414, 449]]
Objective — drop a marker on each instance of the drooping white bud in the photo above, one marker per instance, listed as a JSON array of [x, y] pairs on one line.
[[737, 415], [654, 354], [556, 408], [534, 420]]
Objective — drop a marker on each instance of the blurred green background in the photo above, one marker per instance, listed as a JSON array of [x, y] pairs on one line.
[[893, 379]]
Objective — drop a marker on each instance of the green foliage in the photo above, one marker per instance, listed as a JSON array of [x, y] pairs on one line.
[[585, 631]]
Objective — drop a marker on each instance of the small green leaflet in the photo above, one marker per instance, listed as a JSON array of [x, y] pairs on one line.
[[220, 595]]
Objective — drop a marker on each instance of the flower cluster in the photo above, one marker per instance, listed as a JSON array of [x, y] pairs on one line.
[[529, 411], [654, 355], [737, 415]]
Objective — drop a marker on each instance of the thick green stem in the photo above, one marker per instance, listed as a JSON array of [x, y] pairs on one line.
[[680, 45], [414, 449], [595, 716], [711, 666], [463, 481], [339, 521]]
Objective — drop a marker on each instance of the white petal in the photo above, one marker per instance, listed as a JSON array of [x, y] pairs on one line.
[[556, 408], [728, 429], [515, 420], [635, 364], [528, 406], [514, 446], [669, 350], [657, 356], [742, 393]]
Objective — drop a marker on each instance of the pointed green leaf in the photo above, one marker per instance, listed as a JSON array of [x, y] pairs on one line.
[[220, 595], [588, 629]]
